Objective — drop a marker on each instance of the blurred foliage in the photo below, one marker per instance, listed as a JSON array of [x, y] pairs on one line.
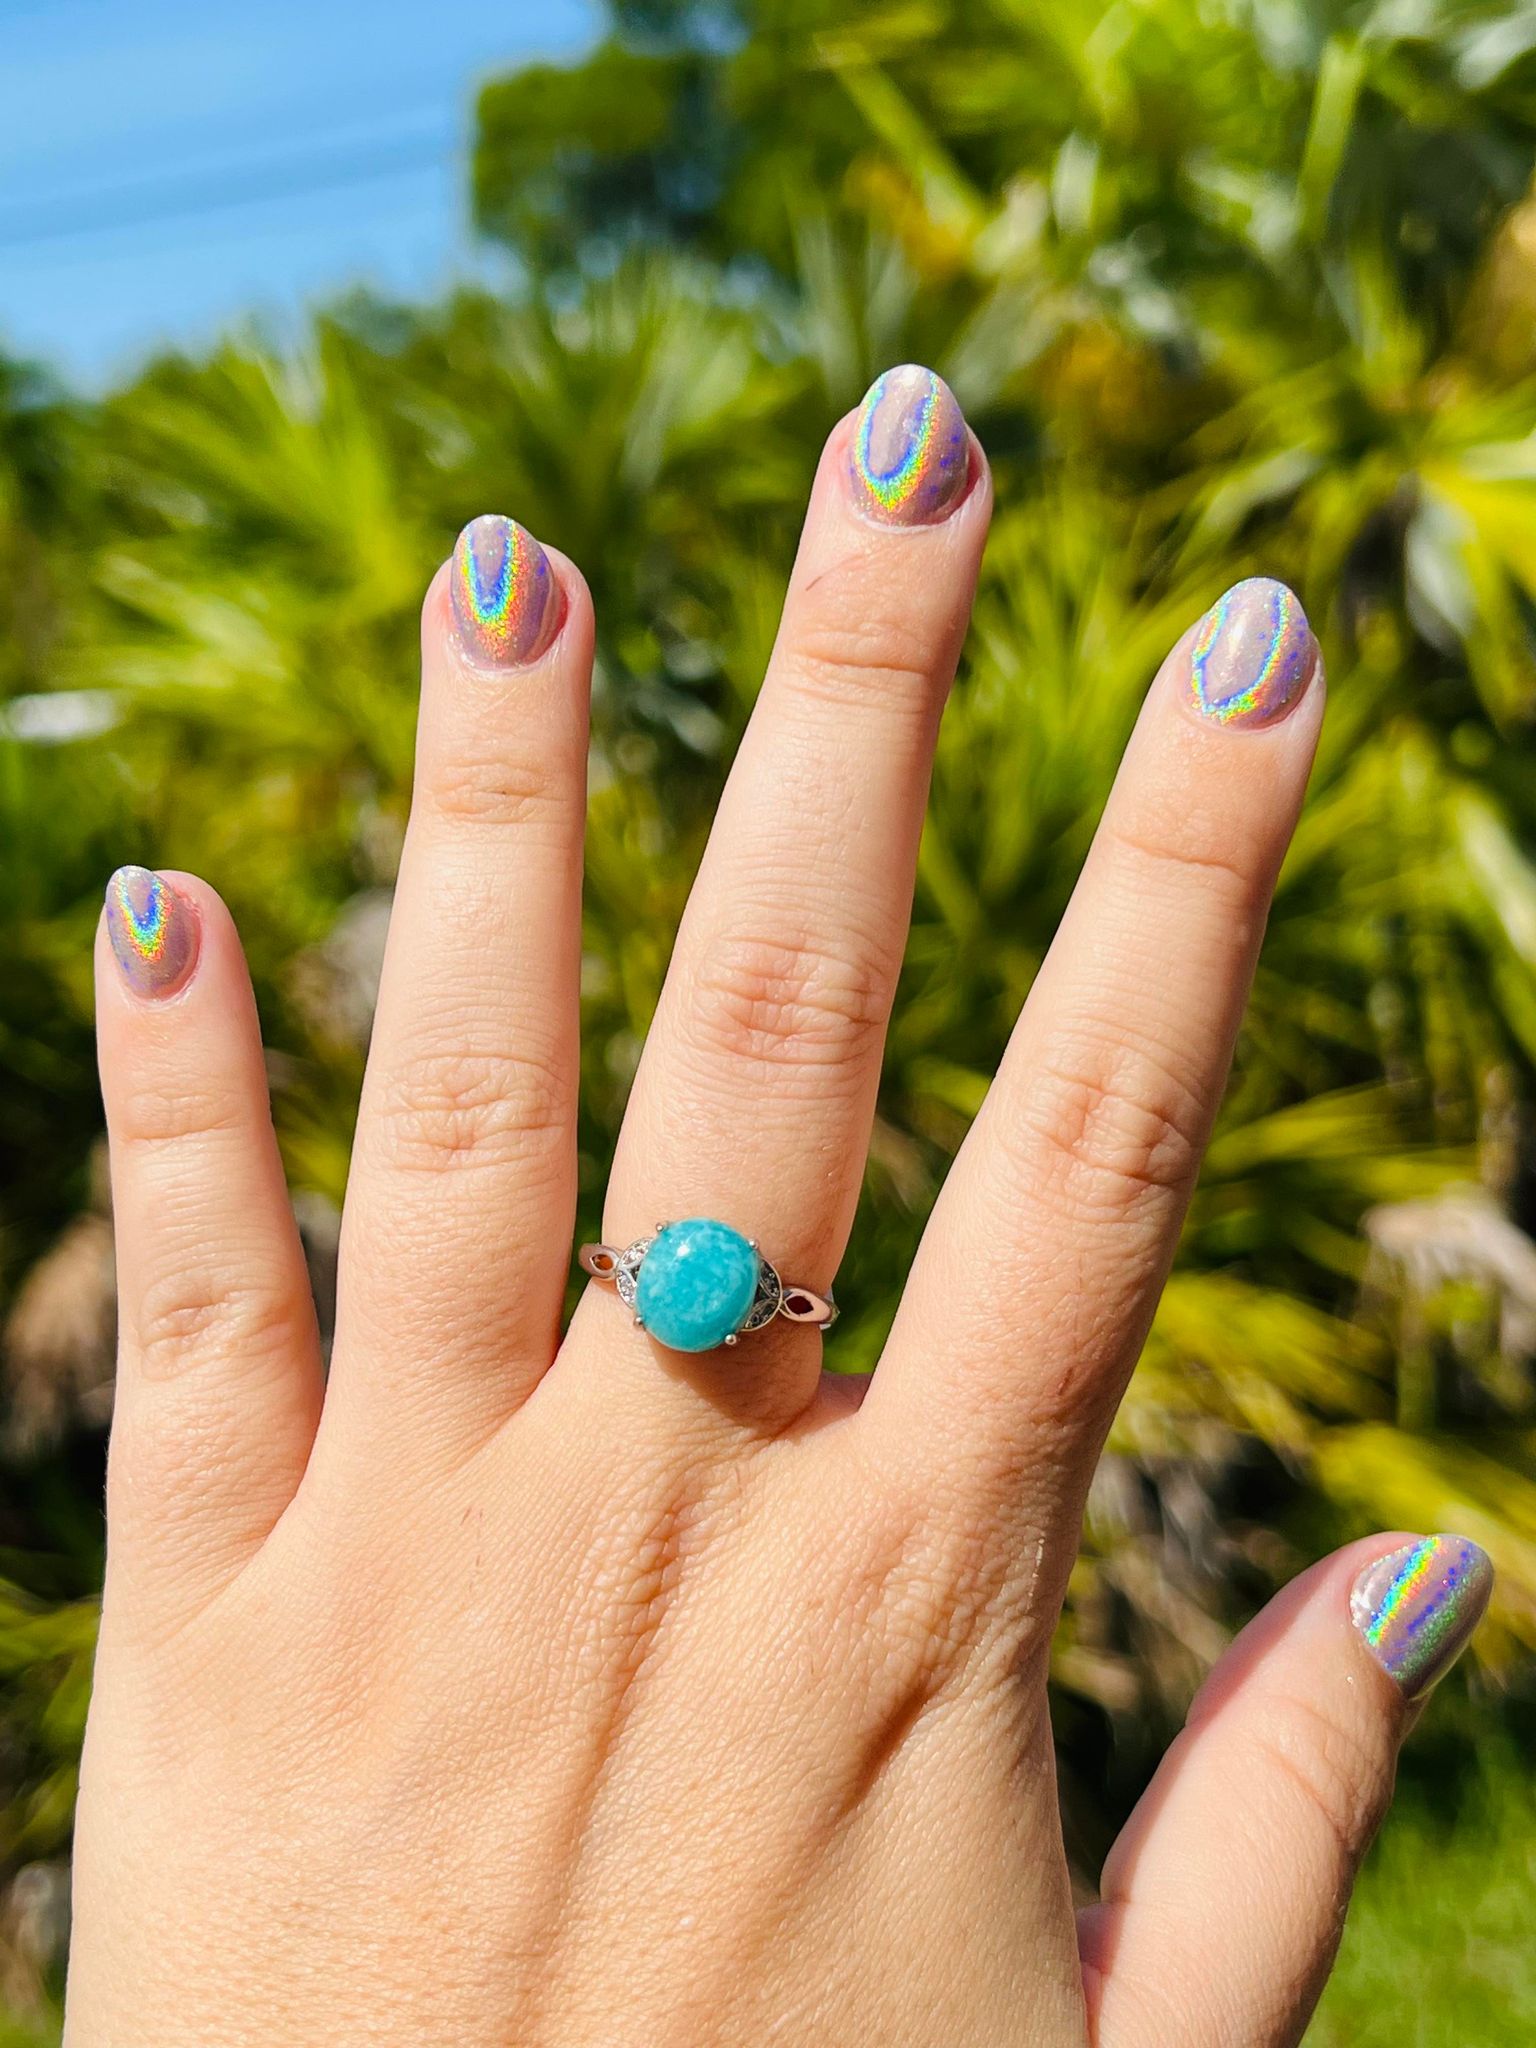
[[1224, 288], [1443, 1979]]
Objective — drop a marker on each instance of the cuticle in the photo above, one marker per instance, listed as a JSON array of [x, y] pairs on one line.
[[973, 475], [473, 659]]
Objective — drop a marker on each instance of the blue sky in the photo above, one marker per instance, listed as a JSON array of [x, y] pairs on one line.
[[166, 168]]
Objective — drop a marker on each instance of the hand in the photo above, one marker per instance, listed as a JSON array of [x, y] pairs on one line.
[[595, 1694]]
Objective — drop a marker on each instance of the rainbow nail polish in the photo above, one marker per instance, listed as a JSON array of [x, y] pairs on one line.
[[1417, 1607], [910, 455], [1253, 655], [154, 932], [504, 592]]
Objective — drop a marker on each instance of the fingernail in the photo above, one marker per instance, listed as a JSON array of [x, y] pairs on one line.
[[1253, 655], [910, 455], [154, 932], [1417, 1607], [504, 592]]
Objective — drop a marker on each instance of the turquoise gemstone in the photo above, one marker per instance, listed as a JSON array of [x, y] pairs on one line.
[[696, 1284]]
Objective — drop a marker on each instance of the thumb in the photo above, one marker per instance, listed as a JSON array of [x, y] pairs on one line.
[[1223, 1899]]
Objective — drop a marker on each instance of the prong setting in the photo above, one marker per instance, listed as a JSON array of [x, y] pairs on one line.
[[772, 1297]]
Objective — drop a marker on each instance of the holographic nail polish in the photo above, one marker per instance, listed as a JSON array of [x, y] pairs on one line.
[[910, 454], [154, 932], [1253, 655], [1417, 1607], [505, 597]]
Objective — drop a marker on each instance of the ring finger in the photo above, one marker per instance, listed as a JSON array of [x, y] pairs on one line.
[[755, 1096]]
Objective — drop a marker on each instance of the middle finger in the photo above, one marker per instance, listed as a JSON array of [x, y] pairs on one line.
[[463, 1180]]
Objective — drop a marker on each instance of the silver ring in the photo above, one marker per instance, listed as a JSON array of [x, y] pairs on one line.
[[699, 1283]]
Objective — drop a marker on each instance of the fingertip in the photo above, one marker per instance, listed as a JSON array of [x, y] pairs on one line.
[[1417, 1604], [1250, 660], [909, 452], [505, 603], [917, 506], [575, 630], [163, 956], [1317, 1597], [153, 929]]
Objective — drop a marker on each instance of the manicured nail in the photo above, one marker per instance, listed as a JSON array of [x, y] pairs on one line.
[[154, 932], [1253, 655], [1417, 1607], [505, 597], [911, 454]]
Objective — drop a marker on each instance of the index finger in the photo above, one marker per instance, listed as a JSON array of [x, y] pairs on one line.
[[1041, 1267]]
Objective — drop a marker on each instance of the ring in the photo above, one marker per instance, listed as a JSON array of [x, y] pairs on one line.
[[697, 1284]]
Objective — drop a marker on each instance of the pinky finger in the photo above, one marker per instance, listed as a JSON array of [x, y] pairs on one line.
[[218, 1385], [1223, 1899]]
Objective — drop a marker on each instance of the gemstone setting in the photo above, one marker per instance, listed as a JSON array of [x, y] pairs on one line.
[[697, 1283]]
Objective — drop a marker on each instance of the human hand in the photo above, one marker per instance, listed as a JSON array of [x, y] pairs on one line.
[[589, 1693]]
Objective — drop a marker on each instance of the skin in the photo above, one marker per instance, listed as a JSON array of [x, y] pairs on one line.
[[568, 1693]]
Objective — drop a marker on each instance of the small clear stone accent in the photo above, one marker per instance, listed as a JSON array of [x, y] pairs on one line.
[[765, 1303], [626, 1273]]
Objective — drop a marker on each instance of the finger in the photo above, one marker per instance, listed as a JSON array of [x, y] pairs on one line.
[[461, 1202], [218, 1385], [755, 1096], [1223, 1900], [1037, 1277]]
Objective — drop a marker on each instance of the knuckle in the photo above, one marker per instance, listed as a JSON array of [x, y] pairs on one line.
[[1337, 1774], [643, 1548], [149, 1115], [846, 645], [473, 787], [916, 1599], [201, 1313], [644, 1587], [1113, 1127], [448, 1108], [925, 1587], [1180, 850], [787, 1003], [168, 1475]]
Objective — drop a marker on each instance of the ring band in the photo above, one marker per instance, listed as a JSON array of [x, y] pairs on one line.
[[700, 1283]]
